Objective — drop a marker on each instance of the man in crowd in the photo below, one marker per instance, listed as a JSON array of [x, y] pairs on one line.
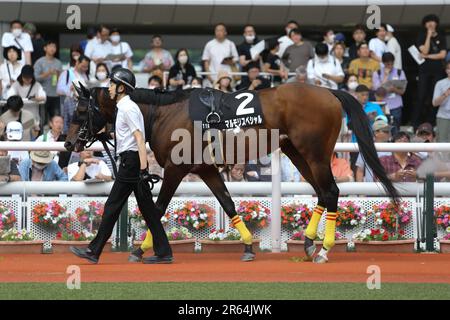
[[377, 45], [329, 39], [36, 40], [219, 53], [243, 49], [14, 112], [98, 50], [88, 168], [253, 81], [364, 66], [441, 100], [359, 36], [41, 167], [19, 39], [121, 50], [299, 53], [394, 47], [324, 70], [286, 41]]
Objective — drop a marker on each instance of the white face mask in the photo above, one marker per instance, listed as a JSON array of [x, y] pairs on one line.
[[288, 30], [16, 32], [196, 86], [323, 60], [101, 76], [352, 85], [151, 87], [387, 38], [182, 59], [249, 38], [115, 38]]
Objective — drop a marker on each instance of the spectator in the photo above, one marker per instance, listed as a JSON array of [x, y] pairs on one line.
[[424, 133], [28, 88], [441, 100], [78, 73], [329, 39], [91, 35], [339, 53], [393, 47], [19, 39], [234, 173], [14, 132], [359, 36], [432, 45], [56, 124], [223, 82], [401, 166], [14, 104], [285, 41], [352, 84], [121, 50], [157, 60], [219, 53], [324, 70], [382, 133], [36, 40], [371, 109], [289, 172], [88, 168], [155, 82], [272, 62], [341, 170], [75, 53], [250, 39], [299, 53], [101, 76], [47, 70], [197, 83], [98, 50], [253, 81], [182, 72], [10, 172], [301, 76], [9, 69], [41, 167], [364, 66], [377, 45], [388, 72]]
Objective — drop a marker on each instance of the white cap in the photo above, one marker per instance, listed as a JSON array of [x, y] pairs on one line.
[[14, 131], [389, 28]]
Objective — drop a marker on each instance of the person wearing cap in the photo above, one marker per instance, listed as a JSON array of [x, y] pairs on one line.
[[41, 167], [381, 133], [15, 112], [324, 70], [364, 67], [441, 100], [393, 47], [272, 62], [132, 176], [14, 132], [253, 81], [12, 173], [9, 69], [224, 82], [19, 39]]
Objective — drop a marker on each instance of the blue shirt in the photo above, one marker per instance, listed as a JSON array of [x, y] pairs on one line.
[[52, 171], [369, 107]]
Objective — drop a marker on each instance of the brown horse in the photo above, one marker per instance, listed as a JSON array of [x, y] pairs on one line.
[[308, 119]]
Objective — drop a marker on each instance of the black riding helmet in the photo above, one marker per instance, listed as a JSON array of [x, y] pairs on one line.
[[125, 77]]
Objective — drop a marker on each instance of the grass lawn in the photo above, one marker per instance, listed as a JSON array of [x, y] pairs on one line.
[[223, 291]]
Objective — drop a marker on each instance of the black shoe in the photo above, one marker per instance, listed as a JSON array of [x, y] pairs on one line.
[[84, 253], [136, 255], [158, 260]]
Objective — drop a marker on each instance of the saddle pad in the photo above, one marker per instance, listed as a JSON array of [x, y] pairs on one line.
[[233, 110]]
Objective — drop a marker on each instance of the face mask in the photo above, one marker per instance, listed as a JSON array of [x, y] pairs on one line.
[[196, 86], [182, 59], [387, 38], [16, 32], [331, 38], [352, 85], [288, 30], [115, 38], [75, 57], [101, 75], [323, 60], [151, 87], [39, 166], [249, 38]]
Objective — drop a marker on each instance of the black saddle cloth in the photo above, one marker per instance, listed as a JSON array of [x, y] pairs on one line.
[[219, 110]]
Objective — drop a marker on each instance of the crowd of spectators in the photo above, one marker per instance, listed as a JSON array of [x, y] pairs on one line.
[[33, 79]]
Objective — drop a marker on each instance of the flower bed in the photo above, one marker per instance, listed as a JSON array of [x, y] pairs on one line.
[[254, 214], [136, 217], [15, 241], [221, 241], [90, 216], [445, 244], [349, 215], [180, 239], [194, 215], [295, 215], [381, 240], [7, 218], [51, 216], [297, 242]]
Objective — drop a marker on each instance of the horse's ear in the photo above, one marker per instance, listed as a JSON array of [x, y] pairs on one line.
[[84, 90], [77, 89]]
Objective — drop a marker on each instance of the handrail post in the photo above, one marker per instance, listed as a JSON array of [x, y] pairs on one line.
[[275, 224], [429, 213]]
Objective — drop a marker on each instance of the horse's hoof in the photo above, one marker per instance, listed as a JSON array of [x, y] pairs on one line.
[[310, 248], [321, 257], [248, 256]]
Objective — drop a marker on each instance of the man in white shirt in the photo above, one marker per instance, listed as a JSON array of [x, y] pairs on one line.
[[88, 168], [285, 41], [122, 50], [98, 50], [394, 47], [19, 39], [56, 125], [377, 45], [219, 53], [324, 70], [132, 176]]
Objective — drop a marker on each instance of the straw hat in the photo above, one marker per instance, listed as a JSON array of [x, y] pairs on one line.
[[41, 156]]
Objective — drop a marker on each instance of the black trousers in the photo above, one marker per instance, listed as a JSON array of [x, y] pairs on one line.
[[121, 190], [423, 110]]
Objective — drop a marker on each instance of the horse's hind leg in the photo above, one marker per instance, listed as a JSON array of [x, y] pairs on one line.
[[300, 163], [210, 175]]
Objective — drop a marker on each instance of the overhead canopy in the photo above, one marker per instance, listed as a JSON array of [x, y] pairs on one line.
[[231, 12]]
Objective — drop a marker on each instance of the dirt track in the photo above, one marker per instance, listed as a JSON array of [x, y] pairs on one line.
[[269, 267]]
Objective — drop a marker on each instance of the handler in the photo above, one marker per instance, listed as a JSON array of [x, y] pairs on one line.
[[132, 175]]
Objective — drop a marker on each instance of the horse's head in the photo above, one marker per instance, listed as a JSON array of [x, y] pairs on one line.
[[87, 120]]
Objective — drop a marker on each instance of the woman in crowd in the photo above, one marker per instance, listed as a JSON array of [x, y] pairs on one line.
[[223, 82], [101, 76], [9, 69], [272, 62], [182, 72]]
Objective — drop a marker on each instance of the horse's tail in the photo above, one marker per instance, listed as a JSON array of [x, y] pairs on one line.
[[361, 129]]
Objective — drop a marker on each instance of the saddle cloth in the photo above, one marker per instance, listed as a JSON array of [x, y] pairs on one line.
[[219, 110]]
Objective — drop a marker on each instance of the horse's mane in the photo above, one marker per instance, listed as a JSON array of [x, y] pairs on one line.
[[159, 98]]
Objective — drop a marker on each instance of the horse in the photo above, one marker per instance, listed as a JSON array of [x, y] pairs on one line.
[[307, 117]]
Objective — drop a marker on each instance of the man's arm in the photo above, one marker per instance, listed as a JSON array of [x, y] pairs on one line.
[[141, 148]]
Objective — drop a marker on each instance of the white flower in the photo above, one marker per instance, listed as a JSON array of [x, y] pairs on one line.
[[353, 222], [175, 216], [378, 214], [382, 230], [192, 209], [195, 224]]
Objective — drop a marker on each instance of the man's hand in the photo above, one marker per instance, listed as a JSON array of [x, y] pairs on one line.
[[89, 161], [144, 175]]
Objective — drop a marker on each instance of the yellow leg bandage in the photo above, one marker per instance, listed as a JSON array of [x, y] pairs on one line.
[[311, 230], [243, 231], [330, 230], [148, 242]]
